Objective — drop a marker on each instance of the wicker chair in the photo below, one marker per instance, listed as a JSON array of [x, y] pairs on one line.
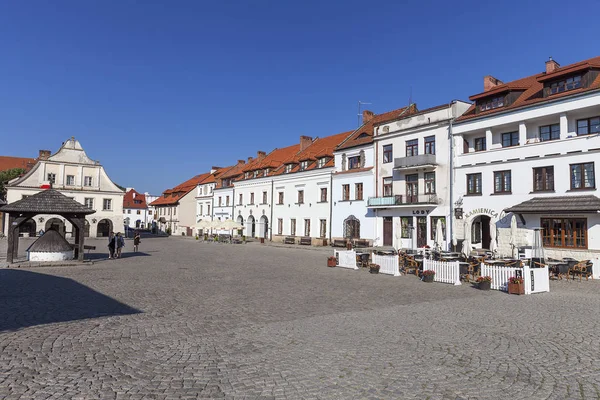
[[410, 265], [583, 268]]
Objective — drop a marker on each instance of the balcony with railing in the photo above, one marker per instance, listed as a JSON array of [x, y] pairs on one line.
[[422, 160], [402, 201]]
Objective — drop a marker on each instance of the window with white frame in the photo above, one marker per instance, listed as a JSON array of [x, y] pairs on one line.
[[321, 162], [106, 204], [307, 227], [89, 202], [87, 181]]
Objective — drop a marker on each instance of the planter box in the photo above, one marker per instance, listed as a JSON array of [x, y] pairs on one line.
[[516, 288], [331, 261], [484, 285], [428, 278]]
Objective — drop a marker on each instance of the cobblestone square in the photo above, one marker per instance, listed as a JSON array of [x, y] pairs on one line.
[[184, 319]]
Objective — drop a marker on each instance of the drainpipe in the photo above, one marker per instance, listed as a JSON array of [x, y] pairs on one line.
[[451, 175], [271, 205], [330, 204]]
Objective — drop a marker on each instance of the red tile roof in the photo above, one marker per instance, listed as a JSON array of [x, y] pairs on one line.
[[364, 134], [320, 147], [134, 199], [531, 89], [7, 163], [172, 196], [273, 160]]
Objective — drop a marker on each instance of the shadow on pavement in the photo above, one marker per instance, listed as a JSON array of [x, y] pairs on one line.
[[104, 256], [30, 298]]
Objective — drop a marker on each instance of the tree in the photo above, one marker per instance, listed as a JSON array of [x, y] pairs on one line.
[[6, 176]]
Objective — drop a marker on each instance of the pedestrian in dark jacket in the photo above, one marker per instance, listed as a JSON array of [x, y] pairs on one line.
[[111, 245], [120, 244], [136, 241]]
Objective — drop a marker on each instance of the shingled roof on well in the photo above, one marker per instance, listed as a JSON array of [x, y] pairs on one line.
[[50, 242], [570, 204], [47, 202]]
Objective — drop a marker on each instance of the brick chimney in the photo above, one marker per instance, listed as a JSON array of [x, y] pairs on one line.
[[240, 162], [489, 82], [249, 160], [305, 141], [367, 116], [551, 66], [260, 154], [44, 154]]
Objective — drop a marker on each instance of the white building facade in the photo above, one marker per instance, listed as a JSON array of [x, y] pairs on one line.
[[412, 174], [530, 148], [75, 175]]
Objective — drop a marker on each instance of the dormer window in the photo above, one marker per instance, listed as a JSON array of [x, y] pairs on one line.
[[288, 168], [362, 135], [247, 175], [303, 165], [266, 172], [321, 162], [255, 174], [492, 103], [573, 82]]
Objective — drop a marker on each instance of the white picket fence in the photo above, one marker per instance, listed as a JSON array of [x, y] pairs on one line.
[[387, 264], [535, 280], [346, 258], [445, 271]]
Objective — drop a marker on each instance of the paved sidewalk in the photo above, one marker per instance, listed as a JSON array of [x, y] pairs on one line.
[[183, 319]]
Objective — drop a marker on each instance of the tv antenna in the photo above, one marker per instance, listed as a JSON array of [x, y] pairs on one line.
[[360, 104]]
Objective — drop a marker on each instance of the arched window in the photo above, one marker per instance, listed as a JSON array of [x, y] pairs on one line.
[[352, 228]]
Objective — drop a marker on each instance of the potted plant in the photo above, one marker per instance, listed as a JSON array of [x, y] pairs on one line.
[[374, 268], [331, 261], [428, 275], [484, 282], [516, 285]]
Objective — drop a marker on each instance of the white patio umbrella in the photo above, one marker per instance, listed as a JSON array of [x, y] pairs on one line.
[[493, 237], [513, 236], [230, 224], [466, 246], [439, 235]]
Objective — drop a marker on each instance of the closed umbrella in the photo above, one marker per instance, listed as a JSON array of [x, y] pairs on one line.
[[513, 236], [493, 237], [439, 235], [466, 246]]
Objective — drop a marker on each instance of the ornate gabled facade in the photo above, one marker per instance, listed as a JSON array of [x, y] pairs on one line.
[[74, 174]]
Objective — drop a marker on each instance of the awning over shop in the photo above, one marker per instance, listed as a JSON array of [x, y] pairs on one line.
[[558, 205]]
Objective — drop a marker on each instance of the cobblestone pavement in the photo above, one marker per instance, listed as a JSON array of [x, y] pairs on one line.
[[186, 319]]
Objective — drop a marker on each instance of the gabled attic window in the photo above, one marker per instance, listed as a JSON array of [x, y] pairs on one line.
[[303, 165], [490, 103], [321, 162], [564, 85], [288, 168]]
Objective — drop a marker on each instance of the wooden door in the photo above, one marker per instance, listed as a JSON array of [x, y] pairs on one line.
[[421, 231], [412, 188], [388, 231]]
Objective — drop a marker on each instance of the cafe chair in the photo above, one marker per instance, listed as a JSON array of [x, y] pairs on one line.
[[583, 268]]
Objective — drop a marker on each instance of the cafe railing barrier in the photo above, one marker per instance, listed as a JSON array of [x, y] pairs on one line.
[[346, 258], [445, 271], [387, 264], [535, 280]]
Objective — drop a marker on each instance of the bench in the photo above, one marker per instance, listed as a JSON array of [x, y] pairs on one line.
[[289, 240], [339, 243], [361, 243], [85, 247], [306, 241]]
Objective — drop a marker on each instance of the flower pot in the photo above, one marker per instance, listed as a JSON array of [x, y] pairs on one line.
[[262, 240], [485, 285], [331, 261], [374, 270], [516, 288], [428, 278]]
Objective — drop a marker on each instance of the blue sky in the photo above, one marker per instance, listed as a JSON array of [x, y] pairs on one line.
[[159, 91]]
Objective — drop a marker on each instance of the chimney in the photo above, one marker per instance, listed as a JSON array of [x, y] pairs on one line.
[[249, 160], [489, 82], [260, 154], [367, 116], [305, 141], [551, 66], [240, 162], [44, 154]]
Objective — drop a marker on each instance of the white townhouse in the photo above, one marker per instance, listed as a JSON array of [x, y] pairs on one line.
[[136, 214], [529, 148], [254, 191], [353, 182], [302, 191], [176, 208], [74, 174], [220, 206], [412, 175]]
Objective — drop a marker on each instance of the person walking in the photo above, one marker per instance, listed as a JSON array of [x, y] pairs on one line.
[[136, 241], [120, 244], [111, 245]]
